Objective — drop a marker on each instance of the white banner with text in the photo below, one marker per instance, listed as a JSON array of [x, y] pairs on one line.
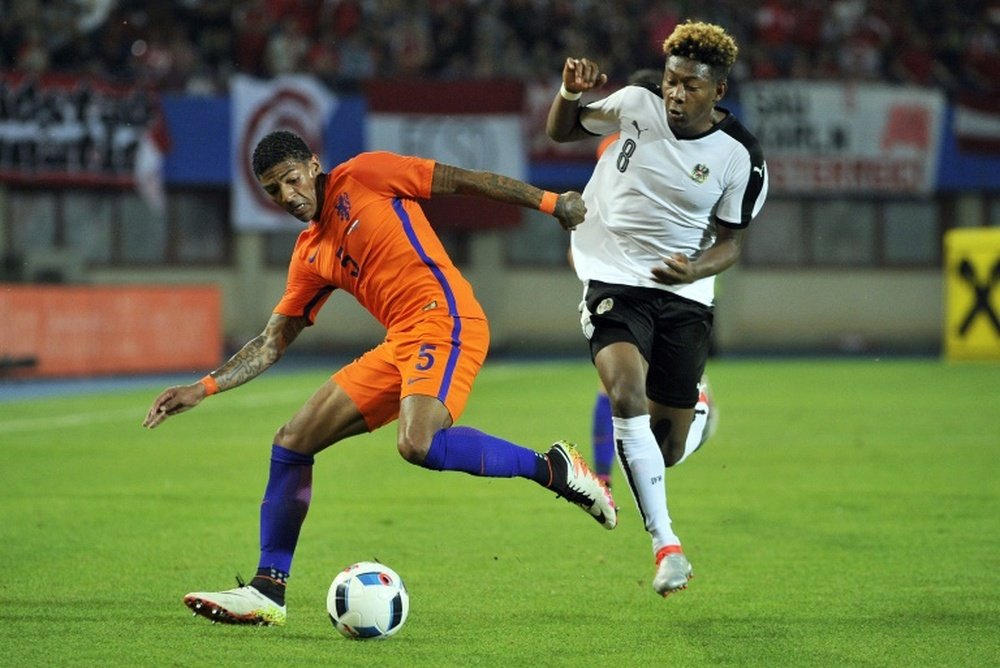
[[843, 138]]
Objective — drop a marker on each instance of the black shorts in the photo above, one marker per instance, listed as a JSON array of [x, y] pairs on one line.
[[672, 333]]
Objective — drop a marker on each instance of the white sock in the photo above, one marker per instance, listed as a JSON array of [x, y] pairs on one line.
[[696, 432], [640, 458]]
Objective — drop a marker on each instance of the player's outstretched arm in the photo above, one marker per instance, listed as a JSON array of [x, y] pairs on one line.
[[568, 208], [249, 362], [579, 75]]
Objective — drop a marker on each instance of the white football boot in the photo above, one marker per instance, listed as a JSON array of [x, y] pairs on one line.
[[573, 480], [242, 605], [673, 570]]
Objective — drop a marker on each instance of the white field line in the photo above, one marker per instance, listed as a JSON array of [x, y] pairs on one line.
[[87, 418], [500, 371]]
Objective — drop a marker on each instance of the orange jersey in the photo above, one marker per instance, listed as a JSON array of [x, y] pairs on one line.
[[373, 240], [606, 142]]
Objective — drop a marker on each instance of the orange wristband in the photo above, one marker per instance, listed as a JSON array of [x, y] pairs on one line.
[[211, 387], [548, 203]]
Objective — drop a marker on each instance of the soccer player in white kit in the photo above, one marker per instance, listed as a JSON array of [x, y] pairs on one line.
[[667, 208]]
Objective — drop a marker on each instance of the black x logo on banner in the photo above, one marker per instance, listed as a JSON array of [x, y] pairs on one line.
[[982, 292]]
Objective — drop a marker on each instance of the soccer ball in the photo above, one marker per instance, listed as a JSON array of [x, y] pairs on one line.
[[367, 600]]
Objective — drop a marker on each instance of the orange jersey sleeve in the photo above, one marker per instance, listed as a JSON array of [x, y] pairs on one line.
[[373, 240], [305, 290], [606, 142]]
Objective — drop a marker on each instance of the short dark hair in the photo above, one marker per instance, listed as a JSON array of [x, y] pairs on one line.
[[279, 146], [704, 42], [647, 76]]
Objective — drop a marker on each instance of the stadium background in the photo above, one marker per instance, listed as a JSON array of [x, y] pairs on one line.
[[123, 129]]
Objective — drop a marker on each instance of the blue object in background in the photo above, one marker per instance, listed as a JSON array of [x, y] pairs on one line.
[[200, 131], [963, 171]]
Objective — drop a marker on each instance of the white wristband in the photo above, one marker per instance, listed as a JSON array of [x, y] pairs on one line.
[[568, 95]]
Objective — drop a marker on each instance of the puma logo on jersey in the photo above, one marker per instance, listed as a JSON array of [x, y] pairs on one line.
[[759, 170], [699, 174], [638, 130]]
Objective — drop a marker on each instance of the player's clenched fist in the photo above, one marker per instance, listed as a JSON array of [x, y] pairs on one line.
[[581, 75], [570, 210]]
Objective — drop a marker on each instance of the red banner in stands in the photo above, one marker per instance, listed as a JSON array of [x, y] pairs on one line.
[[470, 124], [78, 331], [977, 123], [62, 130]]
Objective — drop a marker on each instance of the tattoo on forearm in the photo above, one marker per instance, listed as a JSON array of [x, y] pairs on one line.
[[259, 353], [497, 187], [248, 363], [444, 179], [505, 189]]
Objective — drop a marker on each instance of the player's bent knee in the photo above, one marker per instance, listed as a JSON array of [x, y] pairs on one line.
[[282, 436], [412, 451], [290, 439], [627, 402]]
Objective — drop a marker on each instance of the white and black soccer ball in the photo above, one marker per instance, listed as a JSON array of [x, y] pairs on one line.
[[367, 600]]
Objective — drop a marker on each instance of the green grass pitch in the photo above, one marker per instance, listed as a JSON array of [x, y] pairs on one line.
[[847, 513]]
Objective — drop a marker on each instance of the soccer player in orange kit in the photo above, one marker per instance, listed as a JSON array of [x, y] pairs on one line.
[[367, 235]]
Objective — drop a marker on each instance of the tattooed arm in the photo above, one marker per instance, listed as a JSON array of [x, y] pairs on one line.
[[253, 359], [450, 180]]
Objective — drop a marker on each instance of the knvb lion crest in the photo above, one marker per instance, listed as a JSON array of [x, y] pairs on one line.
[[699, 173], [343, 206]]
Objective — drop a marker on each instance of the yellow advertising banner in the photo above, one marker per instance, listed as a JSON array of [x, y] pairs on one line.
[[972, 293]]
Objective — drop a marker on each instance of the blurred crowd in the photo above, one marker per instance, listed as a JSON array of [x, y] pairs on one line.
[[194, 46]]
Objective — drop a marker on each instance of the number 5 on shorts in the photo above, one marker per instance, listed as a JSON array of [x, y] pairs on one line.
[[426, 358]]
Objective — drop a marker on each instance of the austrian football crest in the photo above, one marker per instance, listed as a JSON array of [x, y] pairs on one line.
[[699, 173], [606, 305]]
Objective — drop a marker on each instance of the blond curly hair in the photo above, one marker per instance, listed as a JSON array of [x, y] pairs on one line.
[[704, 42]]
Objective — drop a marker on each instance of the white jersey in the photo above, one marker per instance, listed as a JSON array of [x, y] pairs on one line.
[[653, 194]]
